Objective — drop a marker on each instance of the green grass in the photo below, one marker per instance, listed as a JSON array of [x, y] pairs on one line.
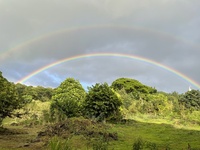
[[162, 135], [178, 123], [159, 135], [158, 132]]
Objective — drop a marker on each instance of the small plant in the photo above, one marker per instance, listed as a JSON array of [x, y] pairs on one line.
[[138, 144], [151, 146], [57, 144], [100, 144]]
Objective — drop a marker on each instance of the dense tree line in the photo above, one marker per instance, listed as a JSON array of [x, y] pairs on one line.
[[101, 101], [29, 93]]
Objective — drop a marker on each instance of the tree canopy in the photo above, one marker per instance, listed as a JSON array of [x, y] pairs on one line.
[[132, 86], [29, 93], [9, 100], [191, 99], [68, 98], [101, 102]]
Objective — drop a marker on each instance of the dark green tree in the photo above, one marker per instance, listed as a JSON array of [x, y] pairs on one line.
[[132, 86], [67, 99], [41, 93], [101, 102], [29, 93], [9, 100], [191, 99]]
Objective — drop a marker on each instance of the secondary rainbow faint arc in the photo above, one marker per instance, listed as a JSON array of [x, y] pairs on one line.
[[113, 55], [6, 53]]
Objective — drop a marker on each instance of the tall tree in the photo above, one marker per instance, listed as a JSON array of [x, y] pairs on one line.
[[68, 98], [101, 102], [8, 98], [191, 99]]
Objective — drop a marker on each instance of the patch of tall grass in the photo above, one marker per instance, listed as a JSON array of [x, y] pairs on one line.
[[58, 144]]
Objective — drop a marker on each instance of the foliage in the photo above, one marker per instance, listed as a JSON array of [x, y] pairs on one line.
[[29, 93], [43, 94], [141, 144], [127, 98], [138, 144], [156, 104], [57, 144], [67, 99], [191, 99], [132, 86], [33, 113], [100, 144], [9, 100], [101, 102]]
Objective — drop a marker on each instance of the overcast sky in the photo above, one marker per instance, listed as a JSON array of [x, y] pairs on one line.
[[35, 33]]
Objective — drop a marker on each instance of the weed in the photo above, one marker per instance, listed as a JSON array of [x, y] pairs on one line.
[[138, 144], [141, 144], [100, 144], [58, 144]]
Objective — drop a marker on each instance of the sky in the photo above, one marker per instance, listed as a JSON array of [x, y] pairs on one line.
[[37, 33]]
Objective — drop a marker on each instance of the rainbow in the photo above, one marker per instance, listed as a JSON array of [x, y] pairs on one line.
[[22, 46], [139, 58]]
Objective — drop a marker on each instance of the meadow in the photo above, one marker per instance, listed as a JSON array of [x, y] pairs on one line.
[[124, 116], [139, 132]]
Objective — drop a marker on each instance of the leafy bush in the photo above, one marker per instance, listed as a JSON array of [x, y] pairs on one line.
[[101, 102], [67, 99]]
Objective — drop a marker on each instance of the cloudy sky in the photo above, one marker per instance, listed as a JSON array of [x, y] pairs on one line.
[[36, 33]]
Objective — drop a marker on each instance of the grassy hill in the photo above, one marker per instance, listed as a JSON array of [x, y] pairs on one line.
[[79, 133]]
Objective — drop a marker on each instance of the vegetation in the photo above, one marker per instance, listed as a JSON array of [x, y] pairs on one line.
[[191, 99], [137, 117], [29, 93], [67, 99], [132, 86], [9, 100], [101, 102]]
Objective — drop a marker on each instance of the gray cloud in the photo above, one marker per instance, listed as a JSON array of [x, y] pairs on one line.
[[36, 33]]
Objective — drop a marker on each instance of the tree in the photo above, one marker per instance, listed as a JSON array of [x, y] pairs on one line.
[[132, 86], [191, 99], [41, 93], [9, 100], [68, 98], [101, 102], [29, 93]]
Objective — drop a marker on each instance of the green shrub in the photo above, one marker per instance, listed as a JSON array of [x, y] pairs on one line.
[[102, 103]]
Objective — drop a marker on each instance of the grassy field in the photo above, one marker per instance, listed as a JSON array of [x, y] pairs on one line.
[[148, 135], [162, 135], [145, 132]]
